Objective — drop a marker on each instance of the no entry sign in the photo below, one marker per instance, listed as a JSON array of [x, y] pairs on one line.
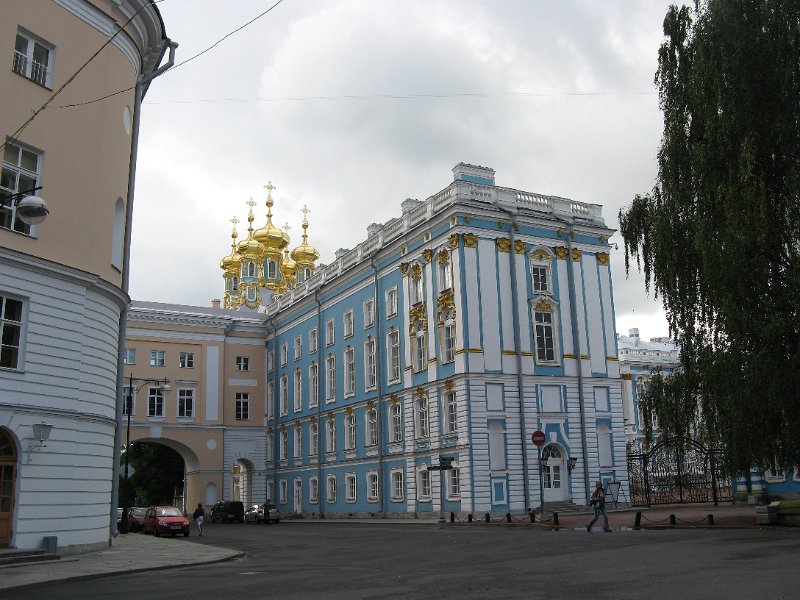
[[538, 438]]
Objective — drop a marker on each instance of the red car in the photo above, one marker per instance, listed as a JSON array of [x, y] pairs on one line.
[[165, 519]]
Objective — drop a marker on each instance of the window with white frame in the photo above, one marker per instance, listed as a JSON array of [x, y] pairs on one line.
[[349, 371], [11, 311], [242, 406], [371, 427], [369, 313], [284, 395], [242, 363], [350, 432], [448, 337], [370, 375], [128, 404], [313, 439], [186, 360], [372, 487], [283, 445], [331, 488], [33, 58], [351, 487], [330, 332], [422, 417], [298, 442], [20, 173], [445, 269], [454, 482], [423, 484], [416, 289], [298, 347], [398, 486], [270, 491], [450, 412], [541, 277], [396, 417], [284, 354], [155, 402], [391, 303], [393, 354], [330, 378], [157, 358], [298, 390], [130, 356], [186, 403], [313, 384], [284, 487], [248, 269], [272, 269], [313, 490], [270, 397], [330, 435], [313, 341], [544, 321], [348, 323], [270, 361], [269, 449], [419, 346]]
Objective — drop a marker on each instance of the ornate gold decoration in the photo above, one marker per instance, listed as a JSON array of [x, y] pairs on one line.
[[349, 411], [543, 304], [370, 404], [519, 246], [611, 358], [446, 302], [448, 384], [404, 268], [561, 252], [626, 376], [467, 219], [516, 226], [443, 257], [331, 417], [297, 422], [453, 239], [475, 350], [569, 355], [313, 419], [470, 240], [426, 236], [403, 250], [501, 224], [417, 314], [559, 232], [269, 430], [420, 392], [576, 254], [602, 239], [427, 254], [585, 357], [453, 221], [283, 426], [540, 254], [393, 399], [602, 258], [416, 270], [503, 244]]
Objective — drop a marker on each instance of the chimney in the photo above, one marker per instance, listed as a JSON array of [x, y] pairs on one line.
[[373, 229], [473, 173], [215, 303], [409, 204], [341, 252]]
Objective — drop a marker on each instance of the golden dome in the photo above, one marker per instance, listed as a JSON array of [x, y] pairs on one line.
[[288, 266], [232, 261], [250, 247], [305, 255], [269, 236]]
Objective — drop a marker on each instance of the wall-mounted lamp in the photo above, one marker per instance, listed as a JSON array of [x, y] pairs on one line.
[[571, 462], [41, 433], [30, 209]]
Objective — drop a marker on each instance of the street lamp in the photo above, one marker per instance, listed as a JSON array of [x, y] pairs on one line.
[[30, 209], [163, 386]]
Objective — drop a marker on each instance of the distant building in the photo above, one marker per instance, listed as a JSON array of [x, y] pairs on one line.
[[61, 281], [477, 317]]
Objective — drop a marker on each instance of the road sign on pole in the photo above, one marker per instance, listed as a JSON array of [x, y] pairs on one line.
[[538, 438]]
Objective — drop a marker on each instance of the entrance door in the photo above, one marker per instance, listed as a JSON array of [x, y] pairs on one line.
[[555, 486], [298, 496], [8, 478]]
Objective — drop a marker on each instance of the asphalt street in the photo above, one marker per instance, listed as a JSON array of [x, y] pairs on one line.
[[355, 560]]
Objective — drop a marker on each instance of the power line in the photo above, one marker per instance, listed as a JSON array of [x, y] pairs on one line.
[[180, 64], [52, 97]]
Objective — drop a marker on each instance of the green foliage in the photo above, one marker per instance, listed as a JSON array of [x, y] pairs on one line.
[[158, 470], [718, 238]]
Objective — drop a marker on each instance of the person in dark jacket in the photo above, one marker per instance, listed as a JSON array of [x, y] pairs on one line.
[[599, 503], [199, 516]]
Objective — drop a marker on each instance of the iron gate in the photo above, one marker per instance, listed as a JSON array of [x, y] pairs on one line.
[[678, 471]]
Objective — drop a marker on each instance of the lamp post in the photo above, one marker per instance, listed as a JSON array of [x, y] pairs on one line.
[[163, 386], [30, 209]]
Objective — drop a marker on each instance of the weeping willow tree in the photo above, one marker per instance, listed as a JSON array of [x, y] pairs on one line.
[[718, 238]]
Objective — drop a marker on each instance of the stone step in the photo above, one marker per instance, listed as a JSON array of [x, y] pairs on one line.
[[10, 557]]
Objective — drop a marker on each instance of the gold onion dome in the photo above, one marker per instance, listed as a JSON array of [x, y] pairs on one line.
[[269, 236], [288, 266], [233, 260], [250, 246], [305, 254]]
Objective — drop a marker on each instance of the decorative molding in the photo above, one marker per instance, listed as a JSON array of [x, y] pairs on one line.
[[349, 411], [448, 384], [331, 416], [585, 357], [611, 358], [470, 240], [297, 422], [570, 355], [540, 255], [475, 350], [313, 419], [543, 304], [427, 255], [501, 224], [519, 246], [426, 236], [509, 352], [416, 270], [602, 239], [467, 219], [626, 376], [403, 250], [503, 244], [370, 404], [443, 257], [393, 399], [526, 353], [453, 221], [446, 302], [453, 239], [404, 268], [602, 258], [561, 252]]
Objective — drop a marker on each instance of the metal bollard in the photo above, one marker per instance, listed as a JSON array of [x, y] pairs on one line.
[[452, 517], [487, 518], [672, 520], [555, 518], [711, 519], [508, 517], [469, 518], [637, 522], [533, 516]]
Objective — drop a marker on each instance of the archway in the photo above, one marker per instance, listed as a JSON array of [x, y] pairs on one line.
[[8, 481], [242, 481]]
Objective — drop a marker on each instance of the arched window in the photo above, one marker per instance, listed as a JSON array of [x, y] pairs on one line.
[[448, 337], [419, 346], [118, 238], [497, 447]]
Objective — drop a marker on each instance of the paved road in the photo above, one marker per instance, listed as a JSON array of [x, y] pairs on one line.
[[332, 560]]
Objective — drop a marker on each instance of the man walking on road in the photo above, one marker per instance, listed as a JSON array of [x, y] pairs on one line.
[[599, 503]]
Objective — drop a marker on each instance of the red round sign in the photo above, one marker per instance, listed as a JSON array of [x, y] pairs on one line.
[[538, 438]]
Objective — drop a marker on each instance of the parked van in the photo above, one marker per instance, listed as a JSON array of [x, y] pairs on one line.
[[227, 512]]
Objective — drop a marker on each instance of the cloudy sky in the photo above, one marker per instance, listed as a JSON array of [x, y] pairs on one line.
[[351, 106]]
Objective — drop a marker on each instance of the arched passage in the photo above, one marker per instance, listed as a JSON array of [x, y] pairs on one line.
[[8, 485]]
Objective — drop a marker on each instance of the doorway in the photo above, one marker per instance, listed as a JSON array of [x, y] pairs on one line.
[[553, 469], [8, 480], [298, 496]]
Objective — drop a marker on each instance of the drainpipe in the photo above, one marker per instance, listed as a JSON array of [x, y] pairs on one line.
[[275, 403], [379, 382], [321, 486], [142, 81], [523, 433]]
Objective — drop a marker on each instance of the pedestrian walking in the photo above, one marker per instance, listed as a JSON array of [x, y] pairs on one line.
[[598, 501], [199, 516]]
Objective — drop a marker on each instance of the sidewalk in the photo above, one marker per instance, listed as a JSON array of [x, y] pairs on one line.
[[128, 554]]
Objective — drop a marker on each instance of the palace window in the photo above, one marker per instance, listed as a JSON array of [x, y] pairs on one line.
[[330, 435], [313, 439], [270, 398], [350, 487], [419, 347], [391, 302], [298, 347], [242, 363], [20, 174], [283, 448], [330, 332], [298, 390], [445, 269], [451, 412], [349, 371], [350, 432], [155, 402], [130, 356], [371, 427], [396, 415], [242, 406], [348, 323], [369, 364], [544, 322], [393, 354], [331, 485], [11, 310], [284, 491], [398, 486], [186, 403], [284, 354], [284, 395], [313, 490], [454, 483], [157, 358], [541, 277], [313, 384], [298, 442], [422, 417], [33, 58], [369, 313], [417, 291], [423, 484], [372, 487], [448, 337], [186, 360], [330, 378], [313, 341]]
